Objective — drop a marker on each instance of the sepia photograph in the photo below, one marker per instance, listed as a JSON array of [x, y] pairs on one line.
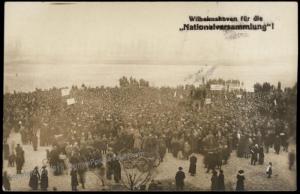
[[150, 96]]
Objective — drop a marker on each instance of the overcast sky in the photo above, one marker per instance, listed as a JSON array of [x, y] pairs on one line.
[[89, 32]]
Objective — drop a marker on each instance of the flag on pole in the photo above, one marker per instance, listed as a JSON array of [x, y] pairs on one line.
[[65, 91], [70, 101]]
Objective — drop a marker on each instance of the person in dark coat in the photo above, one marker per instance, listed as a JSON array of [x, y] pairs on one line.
[[261, 155], [19, 164], [214, 181], [74, 180], [34, 179], [18, 150], [6, 182], [240, 181], [162, 149], [12, 160], [179, 179], [117, 170], [269, 170], [221, 183], [81, 171], [44, 179], [277, 145], [292, 157], [192, 168], [254, 151], [267, 142], [5, 150], [35, 142], [109, 165], [211, 161]]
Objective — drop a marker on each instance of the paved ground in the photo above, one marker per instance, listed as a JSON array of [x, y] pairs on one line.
[[282, 180]]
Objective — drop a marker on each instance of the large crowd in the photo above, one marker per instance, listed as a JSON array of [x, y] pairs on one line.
[[111, 121]]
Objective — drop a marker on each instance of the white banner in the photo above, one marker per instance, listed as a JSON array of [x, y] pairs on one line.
[[217, 87], [70, 101], [207, 101], [239, 96], [234, 87], [65, 91]]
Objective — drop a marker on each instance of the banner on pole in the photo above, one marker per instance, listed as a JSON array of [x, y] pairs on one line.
[[217, 87], [207, 101], [70, 101], [65, 92]]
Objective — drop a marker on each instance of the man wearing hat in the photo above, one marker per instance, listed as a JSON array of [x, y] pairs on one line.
[[179, 179]]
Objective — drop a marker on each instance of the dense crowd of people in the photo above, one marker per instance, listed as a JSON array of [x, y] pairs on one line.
[[110, 121]]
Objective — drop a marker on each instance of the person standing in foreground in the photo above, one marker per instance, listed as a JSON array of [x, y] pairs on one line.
[[221, 183], [292, 157], [6, 182], [214, 181], [179, 179], [240, 181], [102, 174], [74, 180], [193, 162], [35, 142], [44, 179], [269, 170], [34, 179]]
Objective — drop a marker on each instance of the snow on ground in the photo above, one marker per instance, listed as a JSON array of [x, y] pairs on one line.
[[283, 179]]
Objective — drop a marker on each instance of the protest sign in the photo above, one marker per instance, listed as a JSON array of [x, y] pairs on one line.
[[70, 101], [207, 101], [65, 92]]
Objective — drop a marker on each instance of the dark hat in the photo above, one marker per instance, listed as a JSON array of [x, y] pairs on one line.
[[180, 168], [241, 171]]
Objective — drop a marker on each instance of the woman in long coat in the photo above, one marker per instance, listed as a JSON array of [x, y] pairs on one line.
[[117, 170], [214, 181], [193, 162], [44, 178], [221, 184], [240, 181], [34, 179], [74, 180]]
